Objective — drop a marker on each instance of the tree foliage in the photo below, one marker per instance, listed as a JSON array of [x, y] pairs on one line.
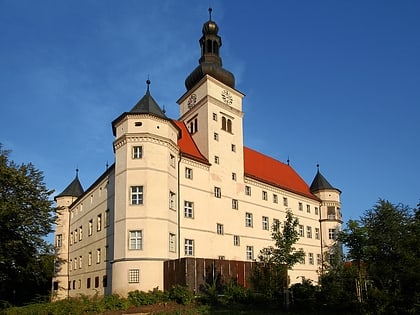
[[26, 218]]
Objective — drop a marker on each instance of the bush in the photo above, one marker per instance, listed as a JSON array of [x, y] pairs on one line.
[[181, 294]]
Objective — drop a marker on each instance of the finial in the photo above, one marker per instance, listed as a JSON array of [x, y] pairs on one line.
[[163, 109], [210, 10], [106, 165], [77, 171], [148, 83], [288, 160], [317, 167]]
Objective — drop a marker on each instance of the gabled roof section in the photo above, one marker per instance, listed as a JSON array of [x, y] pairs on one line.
[[270, 171], [74, 189], [320, 183], [187, 145]]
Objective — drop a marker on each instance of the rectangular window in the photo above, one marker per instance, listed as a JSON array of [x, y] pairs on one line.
[[188, 173], [172, 242], [249, 252], [214, 116], [188, 209], [311, 258], [233, 148], [172, 160], [90, 259], [264, 195], [248, 219], [332, 234], [216, 136], [98, 255], [107, 218], [276, 225], [136, 195], [80, 233], [301, 232], [71, 264], [317, 233], [235, 204], [99, 222], [316, 210], [172, 200], [80, 262], [308, 208], [59, 240], [75, 263], [331, 213], [219, 229], [216, 159], [304, 257], [285, 202], [96, 282], [236, 240], [88, 283], [309, 232], [105, 281], [318, 259], [133, 275], [71, 238], [136, 240], [75, 236], [300, 206], [275, 198], [248, 190], [189, 247], [265, 225], [234, 177], [90, 228], [217, 192], [137, 152]]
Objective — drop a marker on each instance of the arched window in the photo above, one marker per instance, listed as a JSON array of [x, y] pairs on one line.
[[223, 123], [229, 125]]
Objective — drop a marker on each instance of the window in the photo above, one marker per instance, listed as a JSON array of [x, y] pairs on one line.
[[235, 204], [304, 257], [236, 240], [221, 257], [276, 225], [216, 159], [248, 219], [264, 195], [136, 239], [172, 160], [318, 259], [234, 177], [107, 217], [217, 192], [71, 264], [133, 275], [308, 208], [188, 173], [300, 206], [275, 198], [309, 232], [248, 190], [90, 228], [88, 283], [249, 252], [214, 116], [71, 238], [136, 195], [172, 242], [285, 202], [172, 200], [189, 247], [193, 125], [316, 210], [301, 233], [216, 136], [311, 258], [331, 213], [75, 263], [99, 222], [90, 259], [96, 282], [226, 124], [188, 209], [137, 152], [317, 233], [80, 262], [98, 255], [75, 236], [104, 281], [219, 229], [233, 148], [265, 224], [59, 240], [332, 234]]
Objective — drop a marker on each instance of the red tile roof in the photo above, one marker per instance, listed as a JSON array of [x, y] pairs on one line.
[[268, 170], [187, 145], [257, 166]]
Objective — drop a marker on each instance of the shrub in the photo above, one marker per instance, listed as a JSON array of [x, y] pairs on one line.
[[181, 294]]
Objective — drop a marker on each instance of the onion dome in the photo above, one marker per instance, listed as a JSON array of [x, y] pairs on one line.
[[210, 62]]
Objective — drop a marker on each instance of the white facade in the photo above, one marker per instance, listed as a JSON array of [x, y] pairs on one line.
[[186, 188]]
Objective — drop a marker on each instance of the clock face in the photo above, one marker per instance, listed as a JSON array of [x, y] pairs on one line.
[[227, 97], [192, 100]]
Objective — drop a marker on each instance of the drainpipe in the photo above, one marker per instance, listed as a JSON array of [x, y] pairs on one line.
[[179, 205]]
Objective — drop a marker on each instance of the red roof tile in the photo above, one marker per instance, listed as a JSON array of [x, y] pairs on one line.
[[268, 170], [187, 145]]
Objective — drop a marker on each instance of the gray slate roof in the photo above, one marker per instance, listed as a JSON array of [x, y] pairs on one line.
[[147, 105], [74, 189], [320, 183]]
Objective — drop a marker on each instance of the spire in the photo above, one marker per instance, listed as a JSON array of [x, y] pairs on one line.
[[210, 62], [74, 189], [320, 182], [147, 105]]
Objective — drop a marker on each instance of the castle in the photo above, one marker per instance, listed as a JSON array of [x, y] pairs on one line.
[[185, 188]]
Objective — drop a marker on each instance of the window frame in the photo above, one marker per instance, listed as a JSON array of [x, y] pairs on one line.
[[135, 240]]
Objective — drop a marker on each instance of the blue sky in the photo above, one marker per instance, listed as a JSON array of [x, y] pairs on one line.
[[329, 82]]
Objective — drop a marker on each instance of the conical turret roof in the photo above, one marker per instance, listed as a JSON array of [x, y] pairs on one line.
[[147, 105], [74, 189], [320, 183]]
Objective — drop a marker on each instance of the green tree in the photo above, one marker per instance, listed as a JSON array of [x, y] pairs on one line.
[[271, 271], [26, 218]]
